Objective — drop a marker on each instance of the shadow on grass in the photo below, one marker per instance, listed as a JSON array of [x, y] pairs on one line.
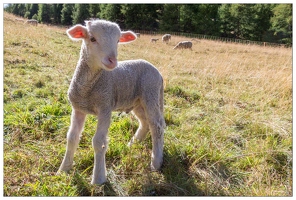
[[178, 177], [176, 180], [181, 178], [84, 188]]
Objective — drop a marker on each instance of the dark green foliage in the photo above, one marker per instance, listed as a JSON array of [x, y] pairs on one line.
[[199, 18], [44, 13], [256, 22], [112, 12], [66, 14], [170, 19], [31, 10], [80, 13], [94, 10], [281, 22], [56, 13], [141, 16]]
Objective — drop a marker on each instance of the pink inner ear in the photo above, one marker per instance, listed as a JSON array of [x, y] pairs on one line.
[[77, 32], [127, 37]]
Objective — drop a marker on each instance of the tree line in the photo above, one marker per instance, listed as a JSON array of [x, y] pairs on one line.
[[257, 22]]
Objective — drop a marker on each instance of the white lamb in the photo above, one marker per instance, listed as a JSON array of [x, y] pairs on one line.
[[19, 20], [166, 38], [184, 45], [154, 40], [101, 85], [32, 21]]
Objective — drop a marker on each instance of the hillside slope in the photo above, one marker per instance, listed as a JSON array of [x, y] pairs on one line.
[[228, 110]]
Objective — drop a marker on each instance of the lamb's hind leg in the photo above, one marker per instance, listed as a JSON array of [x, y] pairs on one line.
[[143, 129], [157, 125], [157, 134], [73, 136]]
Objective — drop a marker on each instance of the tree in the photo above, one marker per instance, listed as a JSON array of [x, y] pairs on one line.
[[170, 17], [199, 18], [225, 19], [56, 13], [80, 13], [188, 13], [94, 10], [18, 9], [22, 9], [112, 12], [31, 9], [35, 16], [207, 19], [244, 21], [140, 16], [27, 13], [281, 22], [262, 15], [15, 9], [66, 14], [44, 13], [8, 7]]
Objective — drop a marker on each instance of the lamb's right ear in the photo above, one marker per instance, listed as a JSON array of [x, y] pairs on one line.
[[77, 32]]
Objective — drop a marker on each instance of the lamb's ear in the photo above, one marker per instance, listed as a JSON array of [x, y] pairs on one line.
[[127, 36], [77, 32]]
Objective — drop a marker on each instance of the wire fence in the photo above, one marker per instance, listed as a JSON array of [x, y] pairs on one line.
[[214, 38]]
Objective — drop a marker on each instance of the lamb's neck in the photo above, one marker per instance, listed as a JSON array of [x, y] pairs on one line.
[[85, 77]]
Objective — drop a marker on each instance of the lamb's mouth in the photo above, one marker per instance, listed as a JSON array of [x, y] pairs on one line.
[[109, 63]]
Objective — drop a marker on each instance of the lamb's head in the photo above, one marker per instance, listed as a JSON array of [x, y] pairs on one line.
[[100, 40]]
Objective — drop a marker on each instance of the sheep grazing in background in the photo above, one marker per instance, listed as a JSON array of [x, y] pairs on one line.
[[32, 21], [184, 45], [153, 40], [101, 85], [19, 20], [166, 38]]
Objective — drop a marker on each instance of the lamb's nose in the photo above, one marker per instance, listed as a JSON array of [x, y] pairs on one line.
[[110, 62]]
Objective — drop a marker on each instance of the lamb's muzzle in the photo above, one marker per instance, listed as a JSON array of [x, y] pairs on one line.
[[110, 62]]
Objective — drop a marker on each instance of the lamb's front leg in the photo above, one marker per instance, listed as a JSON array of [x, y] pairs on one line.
[[73, 136], [100, 148]]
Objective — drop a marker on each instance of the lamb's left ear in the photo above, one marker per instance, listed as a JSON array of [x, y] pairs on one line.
[[127, 36]]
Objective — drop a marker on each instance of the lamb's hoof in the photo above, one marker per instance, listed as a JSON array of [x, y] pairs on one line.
[[64, 168], [99, 182], [60, 172], [130, 143], [156, 166]]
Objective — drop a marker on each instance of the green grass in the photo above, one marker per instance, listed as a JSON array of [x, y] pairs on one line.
[[228, 110]]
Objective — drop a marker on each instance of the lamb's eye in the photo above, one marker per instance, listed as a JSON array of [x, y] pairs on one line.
[[93, 39]]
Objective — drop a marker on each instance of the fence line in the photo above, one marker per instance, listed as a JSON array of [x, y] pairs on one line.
[[214, 38]]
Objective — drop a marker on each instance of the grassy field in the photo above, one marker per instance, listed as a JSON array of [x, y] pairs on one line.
[[228, 110]]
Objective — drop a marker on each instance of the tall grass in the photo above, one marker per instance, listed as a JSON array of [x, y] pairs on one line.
[[228, 110]]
